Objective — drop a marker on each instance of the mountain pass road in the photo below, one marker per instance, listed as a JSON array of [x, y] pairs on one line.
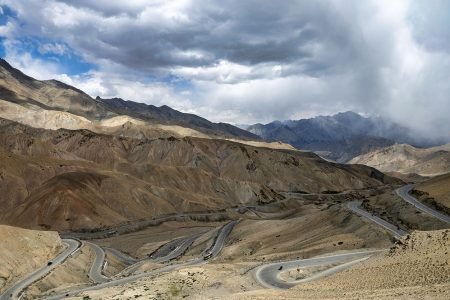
[[403, 192], [15, 291]]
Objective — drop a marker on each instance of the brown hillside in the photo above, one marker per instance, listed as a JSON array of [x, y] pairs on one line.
[[79, 179], [407, 159]]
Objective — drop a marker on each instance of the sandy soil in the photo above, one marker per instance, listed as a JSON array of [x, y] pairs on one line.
[[200, 282], [19, 245], [301, 273]]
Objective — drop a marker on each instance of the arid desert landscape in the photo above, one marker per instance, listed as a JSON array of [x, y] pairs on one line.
[[322, 188]]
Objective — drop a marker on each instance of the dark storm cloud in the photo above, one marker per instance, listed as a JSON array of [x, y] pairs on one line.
[[196, 34]]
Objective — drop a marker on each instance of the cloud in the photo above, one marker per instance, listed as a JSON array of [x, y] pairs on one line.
[[24, 61], [253, 61], [53, 48]]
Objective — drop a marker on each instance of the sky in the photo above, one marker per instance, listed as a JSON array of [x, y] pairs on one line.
[[244, 62]]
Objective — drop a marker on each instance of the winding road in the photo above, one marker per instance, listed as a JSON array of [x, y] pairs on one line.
[[268, 275], [15, 291], [215, 250], [403, 192], [355, 207], [95, 273], [164, 254]]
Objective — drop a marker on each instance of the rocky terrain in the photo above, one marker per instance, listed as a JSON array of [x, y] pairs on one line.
[[435, 192], [407, 159], [78, 179], [418, 263], [415, 268], [153, 203], [167, 115], [22, 251], [53, 104], [342, 136], [339, 137], [71, 162]]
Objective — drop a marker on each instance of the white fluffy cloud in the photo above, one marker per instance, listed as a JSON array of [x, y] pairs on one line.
[[252, 61]]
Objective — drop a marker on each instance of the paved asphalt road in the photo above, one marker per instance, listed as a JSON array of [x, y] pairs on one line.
[[217, 247], [220, 240], [15, 291], [95, 273], [355, 207], [404, 193], [268, 275]]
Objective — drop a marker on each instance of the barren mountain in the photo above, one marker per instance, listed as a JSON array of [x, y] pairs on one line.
[[406, 159], [340, 137], [79, 179], [21, 89], [166, 115], [53, 104]]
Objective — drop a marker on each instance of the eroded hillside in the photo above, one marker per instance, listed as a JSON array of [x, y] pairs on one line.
[[80, 179], [407, 159]]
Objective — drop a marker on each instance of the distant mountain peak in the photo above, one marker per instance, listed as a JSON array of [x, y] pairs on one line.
[[16, 73], [342, 135]]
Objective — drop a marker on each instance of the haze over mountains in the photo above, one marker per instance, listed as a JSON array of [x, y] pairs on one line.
[[342, 136]]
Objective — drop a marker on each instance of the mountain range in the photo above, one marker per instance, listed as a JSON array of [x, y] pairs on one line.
[[72, 162], [144, 183], [55, 104], [340, 137]]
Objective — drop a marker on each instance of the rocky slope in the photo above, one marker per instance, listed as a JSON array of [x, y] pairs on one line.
[[21, 89], [435, 192], [406, 159], [79, 179], [420, 260], [51, 103], [166, 115], [18, 246]]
